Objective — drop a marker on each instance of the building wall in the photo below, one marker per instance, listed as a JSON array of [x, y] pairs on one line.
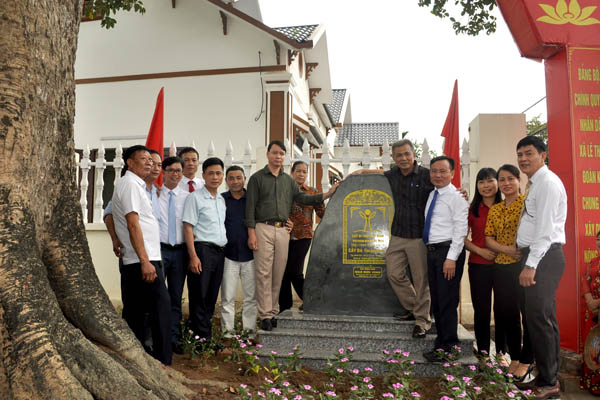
[[201, 108]]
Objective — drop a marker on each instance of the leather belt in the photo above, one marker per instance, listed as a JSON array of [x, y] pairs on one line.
[[436, 246], [275, 222], [168, 246]]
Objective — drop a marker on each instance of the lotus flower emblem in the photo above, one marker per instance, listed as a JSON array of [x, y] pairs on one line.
[[572, 14]]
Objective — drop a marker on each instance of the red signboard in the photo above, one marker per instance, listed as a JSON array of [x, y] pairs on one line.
[[584, 82]]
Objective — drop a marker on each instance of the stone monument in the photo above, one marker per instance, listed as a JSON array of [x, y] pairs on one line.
[[346, 272]]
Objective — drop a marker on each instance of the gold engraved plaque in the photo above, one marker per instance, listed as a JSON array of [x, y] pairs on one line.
[[367, 220]]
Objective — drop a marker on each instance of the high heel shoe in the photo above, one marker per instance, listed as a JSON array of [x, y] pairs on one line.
[[525, 375]]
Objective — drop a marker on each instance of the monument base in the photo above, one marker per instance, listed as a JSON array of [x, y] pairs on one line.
[[320, 336]]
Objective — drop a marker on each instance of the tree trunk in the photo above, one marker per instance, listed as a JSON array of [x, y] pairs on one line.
[[60, 337]]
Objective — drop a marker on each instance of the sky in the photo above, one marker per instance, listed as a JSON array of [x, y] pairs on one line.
[[400, 63]]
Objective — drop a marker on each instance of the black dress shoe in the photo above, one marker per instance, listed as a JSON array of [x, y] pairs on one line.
[[525, 385], [419, 332], [404, 317], [266, 325], [274, 322], [434, 356]]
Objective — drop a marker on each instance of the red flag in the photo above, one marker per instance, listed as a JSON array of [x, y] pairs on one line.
[[450, 132], [155, 140]]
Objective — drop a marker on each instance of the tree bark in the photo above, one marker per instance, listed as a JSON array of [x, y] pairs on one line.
[[60, 337]]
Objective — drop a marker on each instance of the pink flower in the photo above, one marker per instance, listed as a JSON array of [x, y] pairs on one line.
[[350, 348], [445, 398], [243, 386], [477, 388], [370, 386], [353, 388], [344, 359], [472, 367], [406, 354], [466, 378], [259, 346], [388, 395], [415, 394], [307, 387], [449, 378], [286, 384], [386, 352], [511, 395], [369, 369], [355, 371], [397, 385], [341, 351], [330, 393], [366, 379], [339, 370], [275, 390]]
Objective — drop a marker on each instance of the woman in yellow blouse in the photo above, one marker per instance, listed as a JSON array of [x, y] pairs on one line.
[[501, 237]]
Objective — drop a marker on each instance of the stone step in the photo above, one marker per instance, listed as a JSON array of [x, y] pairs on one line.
[[318, 359], [294, 319], [371, 342]]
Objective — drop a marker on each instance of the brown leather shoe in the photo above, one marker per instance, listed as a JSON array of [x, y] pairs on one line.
[[525, 385], [547, 392]]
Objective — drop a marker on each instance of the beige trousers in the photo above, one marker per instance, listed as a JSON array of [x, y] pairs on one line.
[[269, 260], [415, 297]]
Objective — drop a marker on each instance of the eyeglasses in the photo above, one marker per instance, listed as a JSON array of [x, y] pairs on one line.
[[176, 171]]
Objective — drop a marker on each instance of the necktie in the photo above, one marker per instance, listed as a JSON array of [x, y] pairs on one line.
[[428, 218], [172, 226], [524, 210], [191, 185]]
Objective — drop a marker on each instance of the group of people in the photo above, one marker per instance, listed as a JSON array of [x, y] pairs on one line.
[[260, 235], [515, 253], [186, 229]]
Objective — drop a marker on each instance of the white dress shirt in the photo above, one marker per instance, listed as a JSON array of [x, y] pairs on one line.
[[130, 196], [544, 215], [179, 196], [449, 220], [198, 183]]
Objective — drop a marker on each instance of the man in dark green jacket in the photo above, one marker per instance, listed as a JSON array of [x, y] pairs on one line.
[[269, 198]]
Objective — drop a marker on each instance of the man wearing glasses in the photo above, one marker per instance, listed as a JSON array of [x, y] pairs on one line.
[[172, 242]]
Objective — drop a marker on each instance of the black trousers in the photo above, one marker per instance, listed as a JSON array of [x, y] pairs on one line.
[[175, 262], [445, 295], [507, 313], [293, 274], [141, 298], [203, 288], [540, 313], [481, 279]]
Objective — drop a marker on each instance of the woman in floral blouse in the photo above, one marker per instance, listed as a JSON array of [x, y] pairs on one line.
[[590, 287], [501, 237], [301, 236]]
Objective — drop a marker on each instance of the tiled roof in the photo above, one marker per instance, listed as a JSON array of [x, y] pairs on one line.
[[298, 33], [334, 109], [375, 132]]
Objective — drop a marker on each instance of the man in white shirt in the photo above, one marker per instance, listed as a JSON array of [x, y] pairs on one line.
[[444, 233], [142, 278], [172, 241], [190, 158], [540, 236], [205, 238]]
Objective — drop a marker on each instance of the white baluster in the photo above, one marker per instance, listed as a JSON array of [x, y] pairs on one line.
[[386, 159], [248, 159], [228, 161], [172, 149], [100, 165], [425, 157], [346, 160], [465, 164], [366, 155], [85, 169], [210, 152], [325, 168], [305, 152], [118, 163]]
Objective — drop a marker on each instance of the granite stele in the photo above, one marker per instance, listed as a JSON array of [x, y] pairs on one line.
[[346, 272]]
